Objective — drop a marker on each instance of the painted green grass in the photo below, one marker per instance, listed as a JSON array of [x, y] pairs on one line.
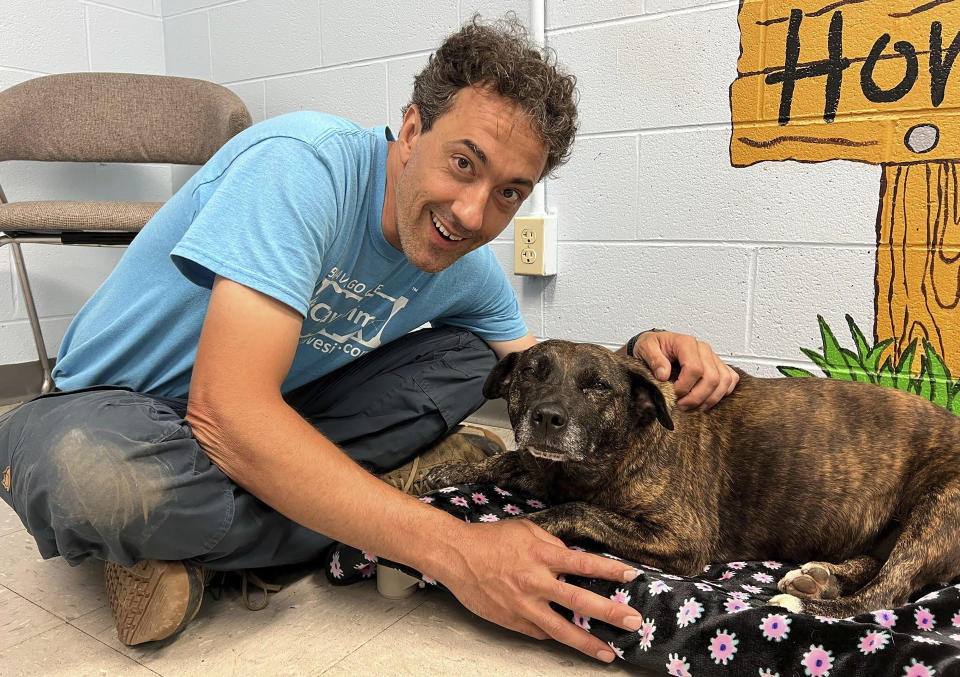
[[934, 381]]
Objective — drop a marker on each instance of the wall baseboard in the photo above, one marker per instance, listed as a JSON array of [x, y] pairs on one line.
[[19, 382]]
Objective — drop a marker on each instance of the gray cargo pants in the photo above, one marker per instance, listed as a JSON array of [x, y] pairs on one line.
[[118, 475]]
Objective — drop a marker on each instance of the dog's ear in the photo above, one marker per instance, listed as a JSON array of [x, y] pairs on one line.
[[498, 382], [647, 398]]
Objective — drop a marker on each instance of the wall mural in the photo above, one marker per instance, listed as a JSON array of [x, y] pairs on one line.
[[870, 81]]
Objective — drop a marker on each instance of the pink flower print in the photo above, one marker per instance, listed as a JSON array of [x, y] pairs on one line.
[[656, 587], [366, 570], [772, 565], [335, 566], [735, 605], [929, 596], [621, 596], [511, 509], [459, 500], [678, 666], [427, 499], [768, 673], [752, 589], [762, 577], [447, 490], [740, 595], [726, 575], [581, 620], [650, 568], [689, 612], [916, 669], [502, 492], [817, 661], [956, 620], [723, 646], [618, 652], [925, 619], [775, 627], [370, 557], [885, 618], [428, 580], [646, 634], [706, 587], [737, 565], [489, 517], [826, 619], [873, 642], [927, 640], [479, 499], [955, 638], [534, 503], [672, 577]]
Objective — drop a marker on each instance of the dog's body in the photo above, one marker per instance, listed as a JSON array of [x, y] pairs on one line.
[[792, 469]]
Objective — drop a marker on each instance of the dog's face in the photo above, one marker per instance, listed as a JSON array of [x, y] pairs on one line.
[[575, 402]]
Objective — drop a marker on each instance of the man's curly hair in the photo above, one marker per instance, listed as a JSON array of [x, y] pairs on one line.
[[502, 57]]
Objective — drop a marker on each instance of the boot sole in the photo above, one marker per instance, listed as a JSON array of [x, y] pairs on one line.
[[152, 600]]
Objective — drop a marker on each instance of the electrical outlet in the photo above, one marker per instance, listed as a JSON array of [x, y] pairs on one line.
[[535, 245]]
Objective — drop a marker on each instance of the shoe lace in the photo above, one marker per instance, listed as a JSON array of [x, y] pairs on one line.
[[404, 482], [265, 588]]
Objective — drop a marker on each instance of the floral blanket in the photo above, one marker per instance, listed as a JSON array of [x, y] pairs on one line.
[[717, 623]]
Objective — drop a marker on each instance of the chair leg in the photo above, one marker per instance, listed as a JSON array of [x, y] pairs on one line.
[[47, 385]]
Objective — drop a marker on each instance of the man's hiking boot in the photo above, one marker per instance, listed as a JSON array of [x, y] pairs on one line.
[[153, 599], [466, 444]]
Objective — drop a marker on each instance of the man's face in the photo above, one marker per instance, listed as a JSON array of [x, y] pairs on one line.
[[462, 182]]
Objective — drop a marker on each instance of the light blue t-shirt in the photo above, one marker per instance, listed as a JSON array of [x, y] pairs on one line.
[[290, 207]]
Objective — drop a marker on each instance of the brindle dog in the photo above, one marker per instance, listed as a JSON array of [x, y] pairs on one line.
[[861, 482]]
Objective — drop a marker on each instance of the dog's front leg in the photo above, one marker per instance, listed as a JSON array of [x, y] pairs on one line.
[[621, 536], [504, 468]]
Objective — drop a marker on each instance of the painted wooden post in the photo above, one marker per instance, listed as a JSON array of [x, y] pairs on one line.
[[868, 81]]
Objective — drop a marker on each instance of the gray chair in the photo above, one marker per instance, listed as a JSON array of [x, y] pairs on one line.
[[103, 117]]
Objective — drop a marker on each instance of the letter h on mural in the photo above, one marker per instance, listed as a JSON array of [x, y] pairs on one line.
[[820, 80]]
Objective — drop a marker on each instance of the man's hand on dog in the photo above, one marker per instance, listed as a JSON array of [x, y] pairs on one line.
[[704, 379], [508, 574]]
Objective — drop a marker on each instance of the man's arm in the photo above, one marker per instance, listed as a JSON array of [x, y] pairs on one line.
[[505, 571], [704, 378]]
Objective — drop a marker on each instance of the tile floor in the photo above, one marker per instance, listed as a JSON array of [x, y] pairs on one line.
[[54, 621]]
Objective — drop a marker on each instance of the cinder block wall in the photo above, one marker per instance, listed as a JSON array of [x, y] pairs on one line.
[[656, 227]]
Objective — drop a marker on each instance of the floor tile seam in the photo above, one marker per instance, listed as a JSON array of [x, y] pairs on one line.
[[373, 637], [113, 649], [15, 531], [61, 620]]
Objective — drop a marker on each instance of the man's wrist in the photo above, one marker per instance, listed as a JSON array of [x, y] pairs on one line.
[[633, 341]]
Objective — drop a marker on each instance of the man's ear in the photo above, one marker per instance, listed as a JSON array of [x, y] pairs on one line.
[[498, 382], [648, 401], [410, 131]]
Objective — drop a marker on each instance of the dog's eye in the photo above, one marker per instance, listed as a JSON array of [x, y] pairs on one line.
[[528, 372], [598, 386]]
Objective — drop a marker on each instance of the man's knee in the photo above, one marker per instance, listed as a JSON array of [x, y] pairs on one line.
[[112, 477]]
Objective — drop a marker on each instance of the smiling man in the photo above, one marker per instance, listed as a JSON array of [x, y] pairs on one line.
[[225, 393]]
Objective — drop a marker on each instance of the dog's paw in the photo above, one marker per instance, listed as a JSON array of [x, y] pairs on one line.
[[813, 580], [444, 475], [788, 602]]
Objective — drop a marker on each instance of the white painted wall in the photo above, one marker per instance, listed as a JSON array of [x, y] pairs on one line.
[[657, 229]]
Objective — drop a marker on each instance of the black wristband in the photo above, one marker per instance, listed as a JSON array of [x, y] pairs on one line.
[[633, 341]]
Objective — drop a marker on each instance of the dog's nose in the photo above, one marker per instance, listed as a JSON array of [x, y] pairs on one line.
[[549, 417]]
